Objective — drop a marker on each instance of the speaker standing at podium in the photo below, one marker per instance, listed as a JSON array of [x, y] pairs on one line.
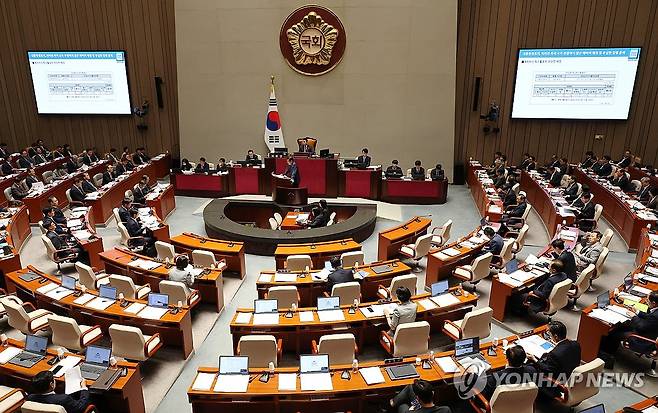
[[292, 172]]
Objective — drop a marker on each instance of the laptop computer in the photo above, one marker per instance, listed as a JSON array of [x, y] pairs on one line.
[[380, 269], [97, 361], [35, 351], [107, 292], [599, 408], [467, 351], [314, 372], [266, 312], [628, 282], [324, 153], [402, 371], [68, 282], [603, 300], [439, 288], [484, 222], [158, 300], [511, 266], [329, 309], [233, 374]]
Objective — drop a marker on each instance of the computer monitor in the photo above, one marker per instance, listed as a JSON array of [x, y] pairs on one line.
[[98, 355], [68, 282], [628, 282], [328, 303], [281, 150], [105, 291], [158, 300], [603, 300], [483, 222], [440, 288], [233, 365], [599, 408], [265, 306], [512, 266], [316, 363], [36, 344], [467, 347], [324, 153]]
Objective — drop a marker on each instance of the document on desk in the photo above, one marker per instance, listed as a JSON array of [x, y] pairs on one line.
[[468, 244], [608, 316], [495, 209], [8, 354], [316, 382], [650, 409], [451, 252], [83, 234], [566, 212], [376, 310], [266, 319], [506, 279], [648, 278], [92, 196], [73, 380], [447, 364], [59, 293], [651, 270], [427, 304], [67, 363], [331, 315], [232, 383], [441, 256], [535, 345], [476, 240], [99, 303], [531, 259], [84, 299], [134, 308], [285, 277], [445, 300], [287, 381], [372, 375], [265, 278], [522, 276], [153, 313], [47, 288], [73, 223], [306, 316], [243, 318], [203, 381], [641, 290]]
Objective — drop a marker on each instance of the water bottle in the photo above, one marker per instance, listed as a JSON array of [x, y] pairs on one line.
[[355, 366], [431, 356], [270, 366]]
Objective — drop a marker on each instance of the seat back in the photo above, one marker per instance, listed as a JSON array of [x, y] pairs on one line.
[[480, 266], [564, 181], [285, 296], [47, 177], [598, 209], [66, 332], [16, 314], [422, 246], [124, 285], [129, 195], [506, 253], [278, 218], [68, 195], [580, 190], [42, 228], [528, 207], [520, 239], [34, 407], [347, 292], [125, 236], [408, 280], [98, 179], [115, 212], [176, 290], [261, 350], [330, 222], [445, 230], [517, 398], [583, 280], [298, 262], [559, 296], [349, 259], [340, 348], [516, 188], [477, 323], [332, 216], [10, 197], [127, 342], [607, 237], [636, 185], [165, 250], [411, 339], [580, 386], [50, 248], [600, 261], [86, 275], [203, 258], [273, 223]]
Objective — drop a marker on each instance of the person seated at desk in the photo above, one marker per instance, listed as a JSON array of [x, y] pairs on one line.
[[60, 173], [338, 275], [320, 218], [144, 235], [438, 174], [124, 209], [40, 145], [536, 300], [590, 253], [603, 167], [363, 159], [43, 384], [637, 162], [500, 162], [495, 244], [292, 172], [251, 157], [554, 162], [641, 324], [112, 156], [4, 152], [620, 180], [508, 196], [417, 397], [515, 211], [202, 167], [87, 184], [185, 165], [304, 147], [405, 312], [500, 179], [49, 215], [653, 200], [140, 191], [66, 150], [68, 245], [24, 161], [31, 178], [565, 257], [18, 190], [180, 272], [571, 191], [89, 157], [626, 160], [515, 372], [6, 168], [556, 175], [57, 152], [77, 192], [394, 171], [525, 162], [417, 172], [39, 158], [71, 164], [58, 214], [119, 169], [221, 166], [140, 157], [587, 210], [108, 175], [644, 194]]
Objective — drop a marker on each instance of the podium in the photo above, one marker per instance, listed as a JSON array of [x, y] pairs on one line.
[[284, 193]]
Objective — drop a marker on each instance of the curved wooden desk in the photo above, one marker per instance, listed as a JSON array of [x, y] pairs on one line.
[[201, 185], [92, 244], [320, 252], [210, 283], [547, 205], [392, 239], [353, 394], [230, 251], [615, 210], [162, 200], [484, 193], [175, 329], [644, 404], [297, 335], [310, 288], [16, 232], [125, 395]]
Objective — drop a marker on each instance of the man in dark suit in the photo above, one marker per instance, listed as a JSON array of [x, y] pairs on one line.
[[553, 162], [43, 384], [112, 156], [18, 191], [140, 191], [565, 257], [292, 172], [508, 196], [108, 175], [605, 168], [77, 193], [89, 157], [571, 191], [338, 275], [135, 229], [31, 178], [589, 161], [119, 169], [57, 153], [87, 184], [525, 162], [500, 179], [418, 398], [653, 200], [305, 147], [24, 161], [532, 165], [124, 210], [417, 172], [643, 325], [60, 242], [620, 180], [516, 211], [66, 150], [394, 171], [364, 159], [251, 156], [587, 210], [516, 371], [39, 157], [72, 164], [6, 168], [437, 174], [49, 215], [556, 176], [140, 157], [644, 194], [4, 152], [202, 167], [320, 218], [538, 298], [626, 160], [495, 244], [58, 215]]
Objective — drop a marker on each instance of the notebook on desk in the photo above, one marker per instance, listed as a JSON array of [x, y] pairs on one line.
[[233, 374], [314, 372], [158, 306]]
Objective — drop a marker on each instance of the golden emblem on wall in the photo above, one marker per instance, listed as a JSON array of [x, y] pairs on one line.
[[312, 40]]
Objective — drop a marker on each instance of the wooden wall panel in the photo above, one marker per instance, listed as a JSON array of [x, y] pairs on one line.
[[490, 32], [145, 29]]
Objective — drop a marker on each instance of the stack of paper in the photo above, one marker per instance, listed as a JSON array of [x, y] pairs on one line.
[[535, 345], [83, 234], [316, 382], [506, 279], [641, 290], [203, 381], [59, 293], [446, 364], [445, 300], [8, 354], [73, 223], [331, 315], [266, 319], [372, 375], [47, 288], [134, 308], [99, 303], [285, 277], [522, 276], [153, 313], [287, 381], [67, 363], [451, 252], [265, 278], [243, 318], [306, 316], [427, 304], [232, 383], [608, 316]]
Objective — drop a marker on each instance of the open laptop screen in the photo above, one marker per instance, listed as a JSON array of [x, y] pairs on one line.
[[108, 292], [36, 344], [98, 355], [317, 363], [328, 303], [439, 288], [603, 300], [265, 306], [467, 346], [158, 300], [233, 365], [68, 282]]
